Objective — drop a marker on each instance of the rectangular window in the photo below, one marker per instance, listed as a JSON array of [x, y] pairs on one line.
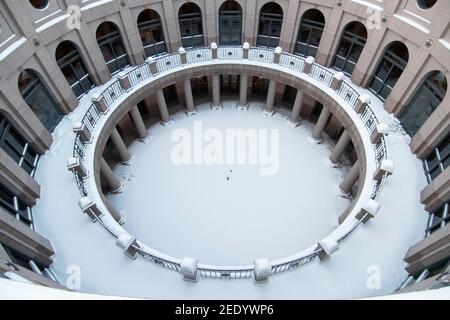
[[15, 207], [438, 219], [16, 147]]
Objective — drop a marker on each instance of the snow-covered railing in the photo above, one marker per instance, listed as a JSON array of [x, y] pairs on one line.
[[168, 62], [261, 54], [321, 74], [230, 53], [349, 94], [292, 62], [215, 272], [112, 92], [291, 264], [138, 75], [199, 55], [158, 65]]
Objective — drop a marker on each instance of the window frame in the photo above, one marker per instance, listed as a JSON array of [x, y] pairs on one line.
[[355, 40], [69, 60], [21, 155], [158, 47], [13, 207], [108, 41]]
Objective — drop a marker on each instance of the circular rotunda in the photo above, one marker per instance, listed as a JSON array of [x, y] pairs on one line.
[[237, 149]]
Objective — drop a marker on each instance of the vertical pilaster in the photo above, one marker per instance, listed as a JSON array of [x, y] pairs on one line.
[[111, 179], [351, 178], [243, 94], [125, 156], [216, 104], [297, 108], [190, 107], [164, 111], [270, 97], [340, 147], [139, 124], [321, 123]]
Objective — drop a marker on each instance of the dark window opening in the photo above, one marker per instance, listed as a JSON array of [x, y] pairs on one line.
[[230, 23], [151, 32], [111, 45], [389, 70], [350, 47], [427, 98], [310, 33], [191, 29], [72, 66]]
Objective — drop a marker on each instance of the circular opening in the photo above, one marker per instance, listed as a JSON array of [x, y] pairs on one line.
[[223, 211], [426, 4], [39, 4]]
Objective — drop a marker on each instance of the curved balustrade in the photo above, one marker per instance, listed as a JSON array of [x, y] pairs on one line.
[[268, 56]]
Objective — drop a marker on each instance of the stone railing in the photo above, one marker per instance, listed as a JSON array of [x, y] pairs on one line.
[[296, 65]]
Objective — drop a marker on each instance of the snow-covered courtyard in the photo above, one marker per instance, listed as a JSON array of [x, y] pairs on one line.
[[230, 214]]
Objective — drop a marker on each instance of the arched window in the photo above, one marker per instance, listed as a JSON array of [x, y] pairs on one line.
[[111, 45], [17, 147], [152, 36], [72, 66], [39, 99], [191, 29], [352, 44], [426, 99], [393, 62], [230, 23], [310, 33], [270, 22]]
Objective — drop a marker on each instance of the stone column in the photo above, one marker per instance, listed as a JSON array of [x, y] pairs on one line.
[[270, 97], [321, 123], [340, 147], [139, 124], [111, 179], [216, 92], [243, 95], [165, 117], [125, 156], [190, 107], [297, 108], [347, 185]]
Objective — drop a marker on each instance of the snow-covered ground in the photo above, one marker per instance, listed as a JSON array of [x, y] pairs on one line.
[[379, 245], [230, 214]]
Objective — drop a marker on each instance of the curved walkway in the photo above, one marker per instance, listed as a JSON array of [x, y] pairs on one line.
[[104, 269]]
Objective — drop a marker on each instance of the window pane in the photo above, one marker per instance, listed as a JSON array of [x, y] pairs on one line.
[[316, 35], [394, 76], [385, 91], [80, 70], [383, 70]]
